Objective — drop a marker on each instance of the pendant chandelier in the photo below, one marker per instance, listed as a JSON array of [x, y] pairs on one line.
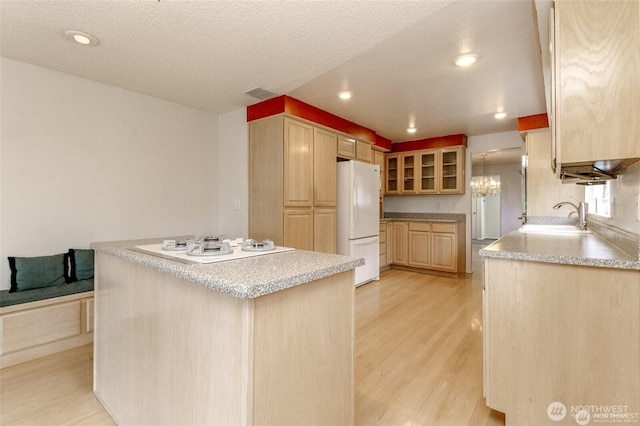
[[483, 186]]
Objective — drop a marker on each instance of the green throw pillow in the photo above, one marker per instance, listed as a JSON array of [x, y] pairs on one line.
[[81, 264], [37, 272]]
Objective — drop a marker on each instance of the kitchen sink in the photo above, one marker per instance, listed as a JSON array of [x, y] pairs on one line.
[[552, 229]]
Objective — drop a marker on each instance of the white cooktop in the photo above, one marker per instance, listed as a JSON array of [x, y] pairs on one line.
[[182, 256]]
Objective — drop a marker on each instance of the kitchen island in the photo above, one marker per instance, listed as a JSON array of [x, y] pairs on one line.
[[561, 328], [263, 340]]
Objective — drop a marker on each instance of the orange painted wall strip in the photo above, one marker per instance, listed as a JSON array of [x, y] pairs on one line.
[[439, 142], [531, 122]]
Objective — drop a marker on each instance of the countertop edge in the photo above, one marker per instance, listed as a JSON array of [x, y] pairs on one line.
[[195, 274], [519, 248], [562, 260]]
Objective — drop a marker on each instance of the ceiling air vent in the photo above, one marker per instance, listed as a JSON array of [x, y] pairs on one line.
[[261, 93]]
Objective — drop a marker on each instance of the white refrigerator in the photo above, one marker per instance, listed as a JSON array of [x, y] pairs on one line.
[[359, 216]]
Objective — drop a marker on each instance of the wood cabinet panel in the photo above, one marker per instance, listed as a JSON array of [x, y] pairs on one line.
[[35, 327], [443, 252], [324, 230], [324, 168], [443, 227], [390, 243], [420, 226], [364, 152], [576, 335], [596, 79], [419, 249], [400, 243], [382, 236], [298, 229], [90, 315], [266, 187], [298, 164], [346, 147]]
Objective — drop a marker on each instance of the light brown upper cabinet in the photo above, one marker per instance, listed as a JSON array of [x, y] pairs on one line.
[[392, 186], [364, 152], [431, 171], [298, 164], [324, 168], [346, 147], [451, 172], [292, 183], [595, 81]]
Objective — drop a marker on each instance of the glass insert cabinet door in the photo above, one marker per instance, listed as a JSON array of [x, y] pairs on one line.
[[449, 170], [392, 175], [408, 173], [427, 161]]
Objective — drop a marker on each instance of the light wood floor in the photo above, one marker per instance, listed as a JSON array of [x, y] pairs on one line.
[[418, 361]]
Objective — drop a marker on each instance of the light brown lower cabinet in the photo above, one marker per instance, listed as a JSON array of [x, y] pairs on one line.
[[561, 333], [428, 246], [400, 243], [390, 248], [324, 230], [382, 236], [310, 229], [419, 244], [298, 228]]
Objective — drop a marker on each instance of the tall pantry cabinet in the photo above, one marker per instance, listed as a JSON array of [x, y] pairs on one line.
[[292, 184]]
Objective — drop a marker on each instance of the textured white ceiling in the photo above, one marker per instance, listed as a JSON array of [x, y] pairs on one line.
[[395, 55]]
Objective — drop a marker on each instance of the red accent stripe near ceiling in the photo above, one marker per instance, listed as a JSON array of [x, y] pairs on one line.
[[439, 142], [531, 122], [289, 105], [292, 106], [383, 143]]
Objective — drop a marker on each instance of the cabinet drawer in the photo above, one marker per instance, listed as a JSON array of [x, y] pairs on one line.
[[448, 228], [27, 329], [419, 226]]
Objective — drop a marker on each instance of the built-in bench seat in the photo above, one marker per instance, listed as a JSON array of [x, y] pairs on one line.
[[19, 297], [49, 307]]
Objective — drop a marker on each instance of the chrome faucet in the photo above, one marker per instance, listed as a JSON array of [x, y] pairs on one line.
[[581, 210]]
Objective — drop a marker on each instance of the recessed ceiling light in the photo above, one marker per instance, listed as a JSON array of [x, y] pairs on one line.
[[499, 115], [411, 130], [344, 95], [466, 59], [82, 38]]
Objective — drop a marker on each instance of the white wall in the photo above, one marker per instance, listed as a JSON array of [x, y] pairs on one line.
[[83, 161], [234, 172]]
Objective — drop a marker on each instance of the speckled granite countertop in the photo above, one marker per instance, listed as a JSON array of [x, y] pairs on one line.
[[575, 249], [243, 278], [433, 217]]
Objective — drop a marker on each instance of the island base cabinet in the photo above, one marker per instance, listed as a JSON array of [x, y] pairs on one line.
[[168, 351], [561, 333]]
